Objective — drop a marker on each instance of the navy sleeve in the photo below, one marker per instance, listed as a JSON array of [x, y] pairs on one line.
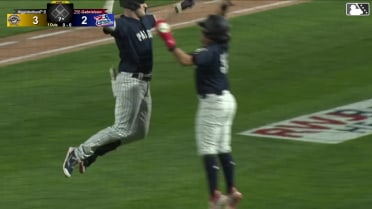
[[119, 29], [150, 20], [202, 57], [153, 21]]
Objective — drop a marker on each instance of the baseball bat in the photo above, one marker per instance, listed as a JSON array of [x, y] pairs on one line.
[[109, 6]]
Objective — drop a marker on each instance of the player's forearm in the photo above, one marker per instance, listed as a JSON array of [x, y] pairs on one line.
[[165, 33], [109, 29], [182, 57], [223, 8]]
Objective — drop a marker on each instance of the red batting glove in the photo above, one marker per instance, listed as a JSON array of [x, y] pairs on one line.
[[164, 30]]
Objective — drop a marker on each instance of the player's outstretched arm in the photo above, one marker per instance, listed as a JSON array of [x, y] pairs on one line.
[[164, 32], [224, 7], [182, 57], [109, 6]]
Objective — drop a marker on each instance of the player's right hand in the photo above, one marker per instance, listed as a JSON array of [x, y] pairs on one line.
[[164, 31], [184, 4]]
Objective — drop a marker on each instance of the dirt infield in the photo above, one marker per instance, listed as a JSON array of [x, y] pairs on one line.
[[40, 44]]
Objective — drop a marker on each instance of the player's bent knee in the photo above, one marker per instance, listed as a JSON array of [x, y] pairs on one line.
[[139, 135], [133, 137]]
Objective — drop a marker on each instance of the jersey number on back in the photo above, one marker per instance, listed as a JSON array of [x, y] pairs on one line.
[[224, 68]]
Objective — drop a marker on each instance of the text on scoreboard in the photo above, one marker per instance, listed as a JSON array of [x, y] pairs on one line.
[[60, 14]]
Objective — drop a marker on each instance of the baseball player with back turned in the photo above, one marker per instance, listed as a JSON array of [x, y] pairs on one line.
[[131, 86], [217, 106]]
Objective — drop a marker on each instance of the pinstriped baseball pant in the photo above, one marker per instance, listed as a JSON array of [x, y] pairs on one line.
[[214, 119], [132, 115]]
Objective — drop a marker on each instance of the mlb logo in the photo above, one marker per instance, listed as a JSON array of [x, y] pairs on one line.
[[357, 9]]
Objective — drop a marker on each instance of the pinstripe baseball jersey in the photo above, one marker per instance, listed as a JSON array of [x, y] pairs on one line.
[[134, 40]]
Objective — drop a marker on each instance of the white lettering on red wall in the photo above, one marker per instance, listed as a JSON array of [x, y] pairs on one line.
[[331, 126]]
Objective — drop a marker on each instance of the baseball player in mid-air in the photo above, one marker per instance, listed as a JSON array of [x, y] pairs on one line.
[[217, 106], [131, 85]]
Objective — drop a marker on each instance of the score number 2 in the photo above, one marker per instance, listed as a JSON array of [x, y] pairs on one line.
[[84, 20]]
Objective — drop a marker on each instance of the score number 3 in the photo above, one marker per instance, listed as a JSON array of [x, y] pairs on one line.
[[35, 20]]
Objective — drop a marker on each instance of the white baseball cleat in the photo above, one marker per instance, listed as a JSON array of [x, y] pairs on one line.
[[234, 197], [219, 201], [70, 162]]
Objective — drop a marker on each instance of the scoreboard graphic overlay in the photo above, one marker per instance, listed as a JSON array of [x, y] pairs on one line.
[[27, 18], [60, 14]]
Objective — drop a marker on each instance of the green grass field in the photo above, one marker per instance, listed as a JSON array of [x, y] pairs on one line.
[[284, 63]]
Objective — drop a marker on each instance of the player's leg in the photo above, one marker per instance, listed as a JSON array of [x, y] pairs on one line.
[[85, 153], [141, 123], [228, 166], [207, 131], [228, 108], [225, 154], [77, 155], [103, 137], [128, 99], [99, 152], [126, 110]]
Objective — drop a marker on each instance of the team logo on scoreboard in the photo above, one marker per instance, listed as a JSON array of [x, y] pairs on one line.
[[103, 20], [14, 19]]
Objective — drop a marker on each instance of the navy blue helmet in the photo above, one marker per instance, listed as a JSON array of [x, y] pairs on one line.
[[216, 28], [131, 4]]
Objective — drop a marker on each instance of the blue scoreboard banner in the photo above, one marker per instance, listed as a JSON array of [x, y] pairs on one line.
[[92, 20]]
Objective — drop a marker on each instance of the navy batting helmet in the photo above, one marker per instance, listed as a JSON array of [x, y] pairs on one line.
[[131, 4], [216, 28]]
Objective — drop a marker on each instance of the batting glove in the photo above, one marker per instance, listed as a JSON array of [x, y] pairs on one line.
[[164, 30], [184, 4]]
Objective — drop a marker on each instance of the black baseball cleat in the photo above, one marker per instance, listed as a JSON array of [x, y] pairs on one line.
[[70, 162]]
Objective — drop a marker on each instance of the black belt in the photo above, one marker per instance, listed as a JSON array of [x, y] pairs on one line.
[[141, 77]]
